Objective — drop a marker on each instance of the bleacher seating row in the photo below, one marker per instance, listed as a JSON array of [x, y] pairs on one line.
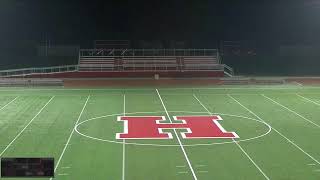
[[145, 63]]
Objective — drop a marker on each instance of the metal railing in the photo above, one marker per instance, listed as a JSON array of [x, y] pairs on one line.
[[147, 52], [156, 63], [41, 70]]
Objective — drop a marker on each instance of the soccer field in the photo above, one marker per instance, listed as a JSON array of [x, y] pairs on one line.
[[278, 129]]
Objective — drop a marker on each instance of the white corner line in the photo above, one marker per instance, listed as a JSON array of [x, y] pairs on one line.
[[18, 135], [69, 138], [124, 142], [9, 103], [245, 153], [275, 102], [287, 139], [308, 99], [181, 146]]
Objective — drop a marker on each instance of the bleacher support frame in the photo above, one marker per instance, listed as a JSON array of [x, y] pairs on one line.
[[139, 61]]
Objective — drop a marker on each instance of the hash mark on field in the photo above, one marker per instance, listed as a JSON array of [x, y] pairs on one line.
[[18, 135], [200, 165], [291, 111], [317, 170], [64, 174], [181, 146], [69, 138], [183, 172], [288, 140], [245, 153], [66, 167], [311, 164], [180, 166]]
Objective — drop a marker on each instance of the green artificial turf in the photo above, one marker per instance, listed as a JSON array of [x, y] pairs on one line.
[[41, 122]]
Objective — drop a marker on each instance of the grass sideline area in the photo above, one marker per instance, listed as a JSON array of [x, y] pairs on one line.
[[278, 126]]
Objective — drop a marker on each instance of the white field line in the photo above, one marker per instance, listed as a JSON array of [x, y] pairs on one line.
[[180, 166], [181, 146], [290, 141], [308, 99], [291, 111], [203, 171], [8, 103], [124, 141], [64, 174], [299, 84], [15, 138], [245, 153], [66, 145], [182, 172]]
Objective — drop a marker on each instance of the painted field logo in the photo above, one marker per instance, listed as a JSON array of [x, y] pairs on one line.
[[151, 127]]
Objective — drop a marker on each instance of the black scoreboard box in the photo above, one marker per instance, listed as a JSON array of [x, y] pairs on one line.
[[27, 167]]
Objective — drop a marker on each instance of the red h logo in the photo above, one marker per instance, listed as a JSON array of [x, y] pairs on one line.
[[150, 127]]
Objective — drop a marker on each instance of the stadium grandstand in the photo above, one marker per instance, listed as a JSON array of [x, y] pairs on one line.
[[114, 59]]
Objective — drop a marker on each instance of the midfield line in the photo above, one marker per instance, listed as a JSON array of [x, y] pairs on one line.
[[17, 136], [181, 146], [124, 141], [73, 129], [308, 100], [290, 141], [235, 142], [8, 103], [292, 111]]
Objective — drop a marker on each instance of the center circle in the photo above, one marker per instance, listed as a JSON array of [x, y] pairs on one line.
[[148, 144]]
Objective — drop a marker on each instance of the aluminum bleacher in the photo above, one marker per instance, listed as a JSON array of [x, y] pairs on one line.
[[134, 63], [148, 59]]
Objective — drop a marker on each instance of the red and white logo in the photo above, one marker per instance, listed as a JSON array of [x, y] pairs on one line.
[[151, 127]]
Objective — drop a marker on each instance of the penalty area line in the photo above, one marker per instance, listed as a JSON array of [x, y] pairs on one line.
[[308, 99], [9, 103], [283, 136], [244, 152], [292, 111], [18, 135]]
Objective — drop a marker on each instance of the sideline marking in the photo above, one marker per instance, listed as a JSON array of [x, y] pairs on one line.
[[181, 146], [124, 141], [292, 111], [298, 147], [308, 99], [66, 145], [8, 103], [236, 142], [15, 138]]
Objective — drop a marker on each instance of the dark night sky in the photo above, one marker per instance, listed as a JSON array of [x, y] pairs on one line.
[[78, 21]]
